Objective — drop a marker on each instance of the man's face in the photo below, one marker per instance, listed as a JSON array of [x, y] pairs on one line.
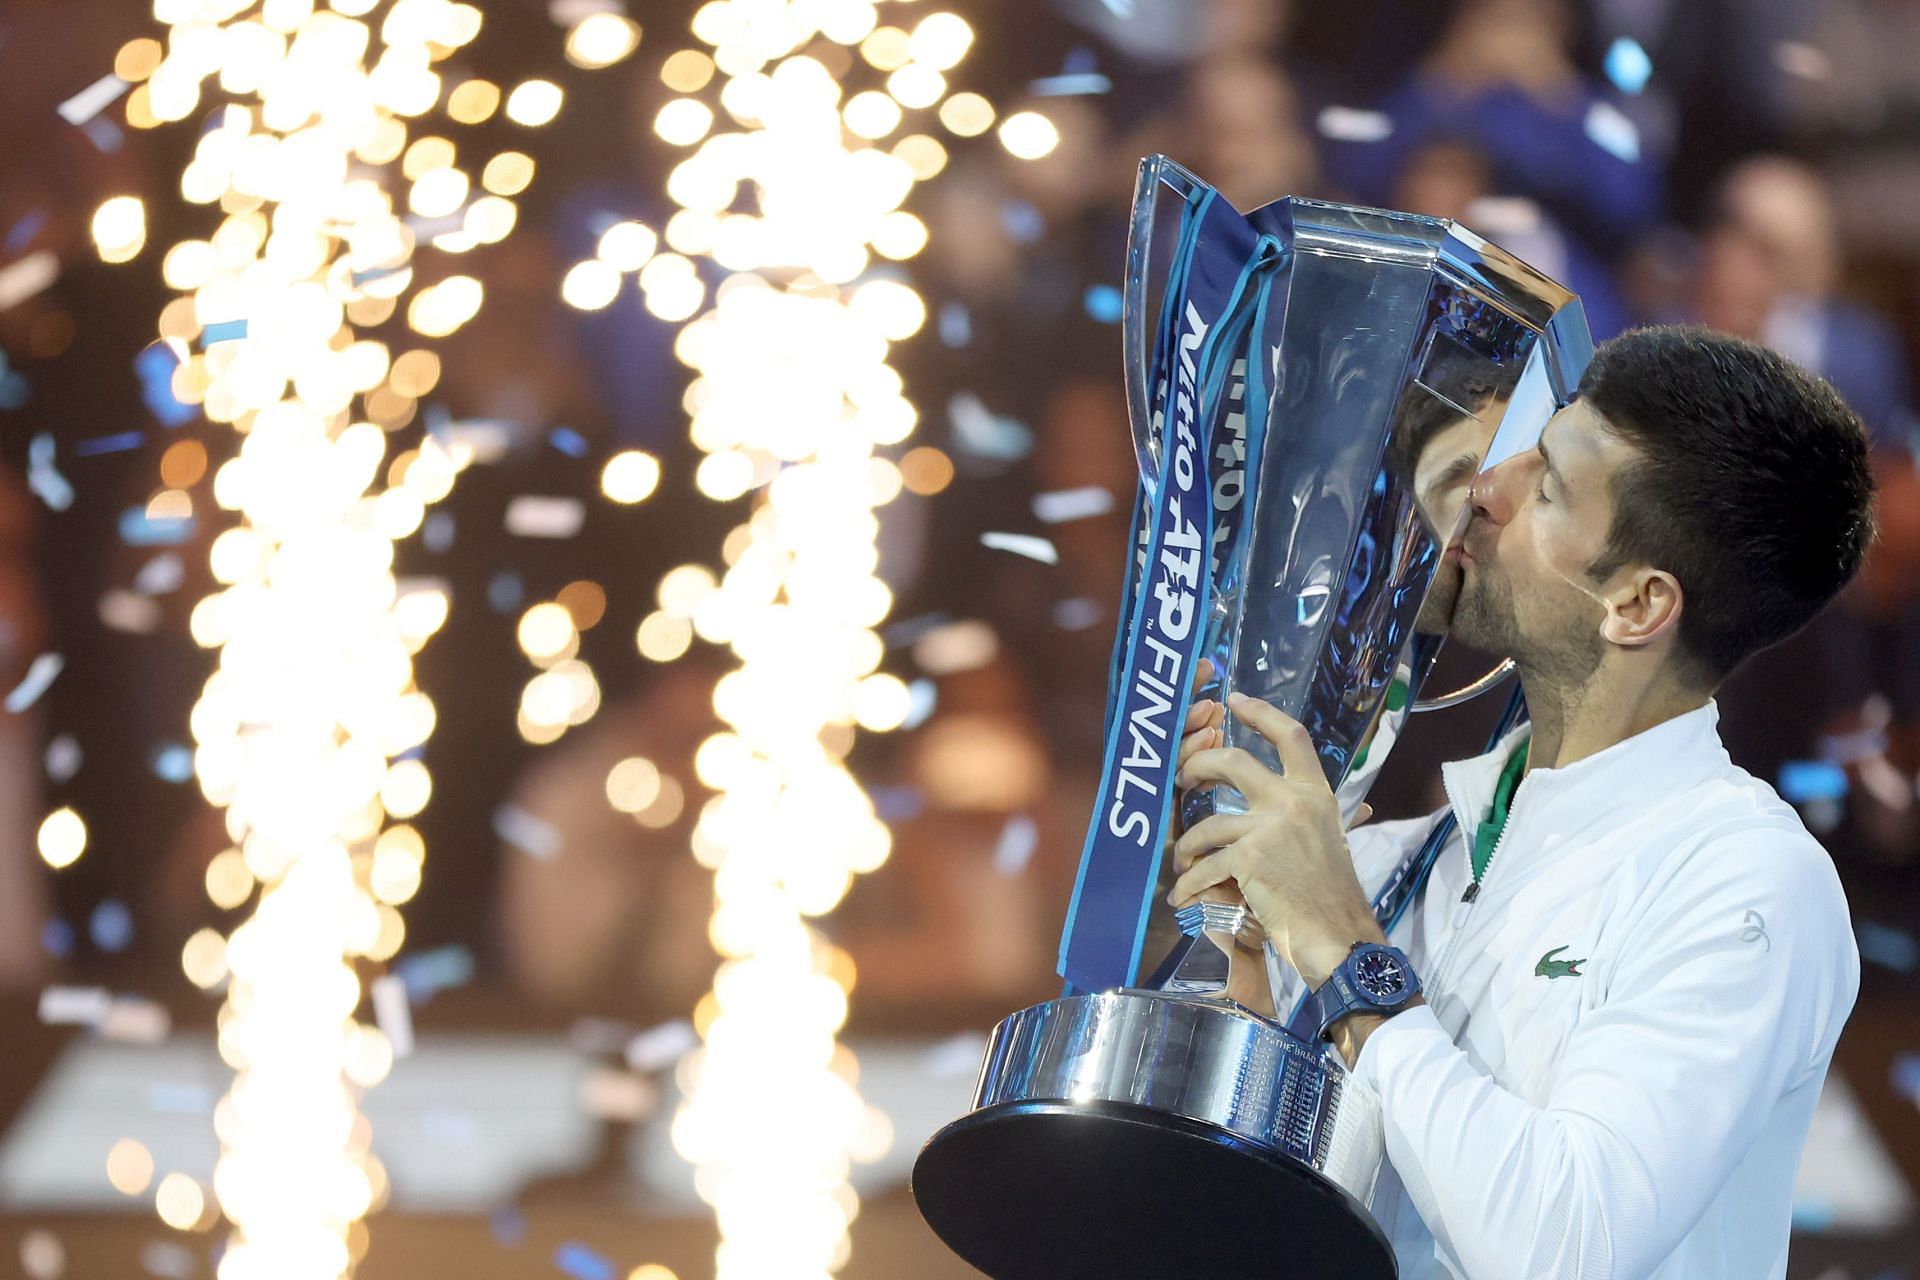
[[1538, 520], [1442, 475]]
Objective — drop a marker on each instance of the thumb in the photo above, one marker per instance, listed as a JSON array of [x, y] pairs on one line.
[[1360, 815]]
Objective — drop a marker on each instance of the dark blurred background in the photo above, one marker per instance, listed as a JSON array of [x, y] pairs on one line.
[[1749, 164]]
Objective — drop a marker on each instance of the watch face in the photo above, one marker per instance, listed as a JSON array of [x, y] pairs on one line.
[[1380, 974]]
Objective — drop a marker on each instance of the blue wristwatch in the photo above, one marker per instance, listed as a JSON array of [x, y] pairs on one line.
[[1372, 979]]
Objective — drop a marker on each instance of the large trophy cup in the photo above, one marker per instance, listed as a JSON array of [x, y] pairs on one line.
[[1312, 388]]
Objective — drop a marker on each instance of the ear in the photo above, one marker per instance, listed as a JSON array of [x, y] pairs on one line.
[[1644, 608]]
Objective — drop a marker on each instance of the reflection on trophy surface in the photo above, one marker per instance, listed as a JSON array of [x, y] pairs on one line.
[[1313, 389]]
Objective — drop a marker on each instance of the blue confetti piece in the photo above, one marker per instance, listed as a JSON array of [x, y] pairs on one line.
[[15, 390], [897, 804], [509, 1226], [104, 134], [111, 925], [56, 936], [379, 273], [1069, 86], [21, 233], [155, 365], [1804, 781], [437, 534], [1080, 60], [1905, 1075], [427, 973], [1022, 222], [956, 326], [504, 592], [117, 443], [222, 331], [568, 441], [583, 1263], [1628, 65], [1103, 303], [138, 530], [1887, 947], [173, 762]]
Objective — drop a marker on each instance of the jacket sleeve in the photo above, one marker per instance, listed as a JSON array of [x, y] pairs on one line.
[[1707, 1020]]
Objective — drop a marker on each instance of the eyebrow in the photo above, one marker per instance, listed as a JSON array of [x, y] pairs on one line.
[[1540, 447]]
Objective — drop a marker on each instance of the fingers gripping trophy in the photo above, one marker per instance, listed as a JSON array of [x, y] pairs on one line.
[[1312, 389]]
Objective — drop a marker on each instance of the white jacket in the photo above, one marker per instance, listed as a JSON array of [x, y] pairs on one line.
[[1642, 1114]]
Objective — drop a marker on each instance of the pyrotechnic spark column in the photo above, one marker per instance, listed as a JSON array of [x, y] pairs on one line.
[[793, 398], [304, 731]]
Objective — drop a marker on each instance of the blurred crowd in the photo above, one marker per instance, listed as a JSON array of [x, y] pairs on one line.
[[1748, 164]]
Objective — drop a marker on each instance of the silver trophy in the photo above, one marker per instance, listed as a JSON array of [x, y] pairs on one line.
[[1312, 388]]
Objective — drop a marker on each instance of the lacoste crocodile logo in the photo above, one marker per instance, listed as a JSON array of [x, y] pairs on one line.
[[1551, 968]]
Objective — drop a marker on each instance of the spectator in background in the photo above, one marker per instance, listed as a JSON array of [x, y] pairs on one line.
[[1503, 79], [1784, 207]]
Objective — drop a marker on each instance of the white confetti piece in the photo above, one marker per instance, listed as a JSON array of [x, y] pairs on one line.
[[392, 1012], [979, 431], [92, 100], [956, 647], [1022, 544], [166, 1259], [1349, 124], [43, 477], [1077, 614], [74, 1006], [608, 1093], [533, 836], [1014, 850], [125, 610], [923, 695], [530, 516], [39, 676], [21, 280], [567, 13], [135, 1020], [161, 575], [661, 1046], [1062, 505], [63, 757]]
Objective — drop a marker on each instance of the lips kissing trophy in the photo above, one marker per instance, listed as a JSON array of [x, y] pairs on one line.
[[1312, 387]]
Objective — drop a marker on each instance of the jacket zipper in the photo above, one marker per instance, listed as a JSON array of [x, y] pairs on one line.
[[1472, 893]]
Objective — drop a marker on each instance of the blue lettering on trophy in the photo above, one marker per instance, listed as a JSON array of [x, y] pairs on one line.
[[1230, 458]]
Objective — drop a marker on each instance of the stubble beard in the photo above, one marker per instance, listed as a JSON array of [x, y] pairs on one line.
[[1557, 661]]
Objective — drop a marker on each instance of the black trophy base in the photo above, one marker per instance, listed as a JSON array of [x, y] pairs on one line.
[[1107, 1191]]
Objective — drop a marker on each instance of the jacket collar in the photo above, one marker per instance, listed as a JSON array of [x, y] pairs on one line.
[[1671, 757]]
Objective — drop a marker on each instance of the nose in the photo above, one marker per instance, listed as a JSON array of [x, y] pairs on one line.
[[1494, 495]]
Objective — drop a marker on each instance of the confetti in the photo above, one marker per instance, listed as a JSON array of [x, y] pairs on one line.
[[161, 575], [1628, 65], [1062, 505], [1610, 130], [582, 1263], [1067, 86], [531, 516], [923, 695], [21, 233], [533, 836], [1022, 222], [222, 331], [15, 390], [42, 1256], [505, 592], [111, 925], [46, 482], [1014, 850], [568, 441], [92, 100], [119, 442], [63, 757], [172, 762], [437, 534], [1888, 947], [956, 325], [125, 611], [1077, 614], [509, 1226], [56, 937], [21, 280], [135, 1020], [567, 13], [104, 134], [1103, 303], [138, 529], [392, 1012], [427, 973], [154, 366], [74, 1006], [488, 439], [897, 804], [1349, 124], [1022, 544], [39, 678], [978, 431], [907, 630], [598, 1035], [661, 1046]]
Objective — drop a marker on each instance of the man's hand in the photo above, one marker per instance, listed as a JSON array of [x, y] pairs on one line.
[[1204, 730], [1287, 854]]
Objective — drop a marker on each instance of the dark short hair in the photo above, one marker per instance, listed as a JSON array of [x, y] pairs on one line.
[[1752, 486]]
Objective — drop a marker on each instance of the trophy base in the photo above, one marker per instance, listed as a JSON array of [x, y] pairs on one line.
[[1050, 1190]]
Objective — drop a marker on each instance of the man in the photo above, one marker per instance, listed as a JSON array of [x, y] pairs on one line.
[[1633, 961]]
